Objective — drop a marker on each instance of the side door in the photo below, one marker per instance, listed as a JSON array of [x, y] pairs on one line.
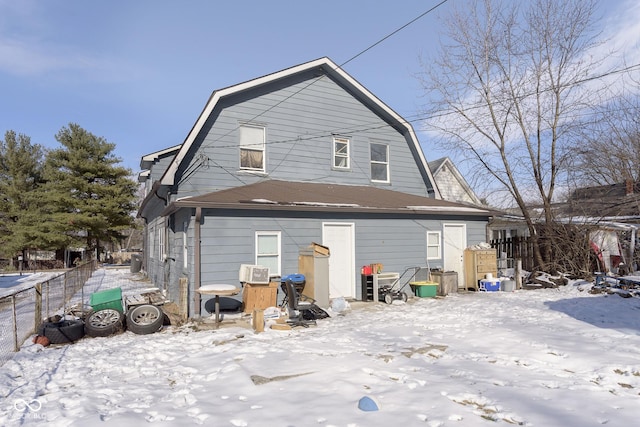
[[455, 240], [340, 239]]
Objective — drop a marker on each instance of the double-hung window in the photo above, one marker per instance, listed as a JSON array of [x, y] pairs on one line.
[[252, 147], [379, 162], [341, 159], [268, 250], [433, 245]]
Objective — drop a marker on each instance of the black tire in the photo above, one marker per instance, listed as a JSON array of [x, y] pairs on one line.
[[63, 332], [405, 297], [105, 322], [145, 319], [388, 298]]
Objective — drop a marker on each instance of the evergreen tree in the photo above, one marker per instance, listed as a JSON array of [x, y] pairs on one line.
[[20, 176], [92, 198]]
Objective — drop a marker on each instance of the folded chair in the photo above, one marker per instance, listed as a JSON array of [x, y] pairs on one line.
[[296, 307]]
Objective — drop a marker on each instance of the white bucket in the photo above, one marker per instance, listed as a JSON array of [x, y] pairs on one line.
[[508, 285], [488, 276]]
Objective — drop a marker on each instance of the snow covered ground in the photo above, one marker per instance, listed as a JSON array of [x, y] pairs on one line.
[[12, 282], [536, 358]]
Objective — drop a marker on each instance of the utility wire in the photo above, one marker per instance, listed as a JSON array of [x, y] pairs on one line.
[[415, 118], [393, 33], [337, 67]]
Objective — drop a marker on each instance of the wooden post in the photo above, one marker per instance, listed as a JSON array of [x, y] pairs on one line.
[[258, 320], [184, 298], [38, 305], [518, 274], [16, 347]]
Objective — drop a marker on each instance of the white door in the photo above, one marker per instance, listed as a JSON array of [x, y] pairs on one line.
[[340, 239], [455, 240]]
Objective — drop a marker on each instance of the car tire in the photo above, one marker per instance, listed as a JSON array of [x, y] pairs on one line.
[[145, 319], [105, 322], [62, 332]]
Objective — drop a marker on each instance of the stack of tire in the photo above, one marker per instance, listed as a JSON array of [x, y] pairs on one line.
[[140, 319], [107, 317], [61, 331]]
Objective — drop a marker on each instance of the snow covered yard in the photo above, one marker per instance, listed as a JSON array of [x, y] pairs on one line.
[[549, 357]]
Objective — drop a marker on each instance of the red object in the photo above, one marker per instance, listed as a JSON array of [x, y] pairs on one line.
[[366, 270]]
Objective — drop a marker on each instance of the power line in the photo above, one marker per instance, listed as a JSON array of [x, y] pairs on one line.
[[393, 33], [414, 118], [312, 82]]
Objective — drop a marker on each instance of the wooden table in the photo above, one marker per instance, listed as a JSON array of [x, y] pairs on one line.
[[218, 289]]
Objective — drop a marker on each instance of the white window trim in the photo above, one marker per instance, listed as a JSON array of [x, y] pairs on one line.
[[347, 142], [381, 163], [152, 242], [185, 245], [161, 241], [438, 246], [279, 253], [261, 148]]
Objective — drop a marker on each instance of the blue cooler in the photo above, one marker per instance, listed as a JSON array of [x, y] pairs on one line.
[[489, 285]]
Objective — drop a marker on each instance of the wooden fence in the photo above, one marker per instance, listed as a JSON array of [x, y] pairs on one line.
[[516, 248]]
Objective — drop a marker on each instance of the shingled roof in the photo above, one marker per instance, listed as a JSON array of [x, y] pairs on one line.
[[617, 200], [308, 196]]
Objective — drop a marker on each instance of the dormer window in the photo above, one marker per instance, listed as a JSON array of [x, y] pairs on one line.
[[341, 159], [252, 147]]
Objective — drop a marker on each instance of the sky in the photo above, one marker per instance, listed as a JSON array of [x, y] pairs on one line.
[[138, 73], [545, 357]]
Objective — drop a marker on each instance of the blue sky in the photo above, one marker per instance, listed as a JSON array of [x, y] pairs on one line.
[[138, 72]]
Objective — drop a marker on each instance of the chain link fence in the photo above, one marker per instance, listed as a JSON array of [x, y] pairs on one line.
[[23, 311]]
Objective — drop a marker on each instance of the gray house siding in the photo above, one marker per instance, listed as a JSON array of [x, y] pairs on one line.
[[298, 141], [228, 240], [301, 109]]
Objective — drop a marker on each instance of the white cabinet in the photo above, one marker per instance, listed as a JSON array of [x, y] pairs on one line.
[[384, 279]]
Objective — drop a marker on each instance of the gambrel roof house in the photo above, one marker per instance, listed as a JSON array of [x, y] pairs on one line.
[[304, 155]]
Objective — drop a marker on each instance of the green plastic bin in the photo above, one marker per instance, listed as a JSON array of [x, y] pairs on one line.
[[425, 289], [109, 298]]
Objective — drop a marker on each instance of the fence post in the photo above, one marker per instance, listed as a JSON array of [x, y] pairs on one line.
[[15, 323], [38, 305]]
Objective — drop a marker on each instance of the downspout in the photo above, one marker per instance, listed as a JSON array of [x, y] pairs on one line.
[[197, 261]]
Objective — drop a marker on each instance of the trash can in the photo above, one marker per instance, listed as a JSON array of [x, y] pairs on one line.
[[136, 263], [448, 281]]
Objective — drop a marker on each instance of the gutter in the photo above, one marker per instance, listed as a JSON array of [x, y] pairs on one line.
[[197, 260]]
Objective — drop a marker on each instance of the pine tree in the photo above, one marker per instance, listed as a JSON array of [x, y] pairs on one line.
[[20, 176], [92, 198]]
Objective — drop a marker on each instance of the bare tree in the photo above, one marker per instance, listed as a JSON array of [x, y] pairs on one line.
[[504, 90], [609, 151]]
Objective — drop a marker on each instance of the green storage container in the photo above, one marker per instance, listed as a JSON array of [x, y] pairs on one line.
[[109, 298], [425, 289]]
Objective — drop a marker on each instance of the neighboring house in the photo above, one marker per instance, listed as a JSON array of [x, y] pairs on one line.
[[302, 155], [613, 209], [452, 185]]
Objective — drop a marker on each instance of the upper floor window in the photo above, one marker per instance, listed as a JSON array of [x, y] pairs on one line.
[[341, 159], [379, 162], [252, 147]]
